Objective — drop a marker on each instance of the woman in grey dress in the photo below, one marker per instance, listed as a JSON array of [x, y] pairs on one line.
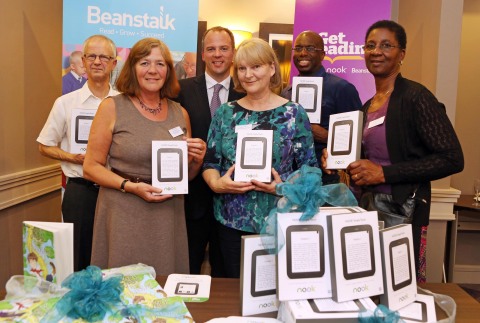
[[133, 224]]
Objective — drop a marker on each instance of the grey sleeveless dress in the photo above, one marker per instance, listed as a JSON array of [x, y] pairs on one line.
[[128, 229]]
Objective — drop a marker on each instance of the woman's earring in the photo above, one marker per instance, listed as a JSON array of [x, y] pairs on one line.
[[400, 63]]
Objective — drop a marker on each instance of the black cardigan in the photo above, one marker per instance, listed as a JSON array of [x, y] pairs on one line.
[[421, 142]]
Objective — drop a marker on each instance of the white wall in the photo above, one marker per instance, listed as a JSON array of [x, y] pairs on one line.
[[245, 14], [467, 119]]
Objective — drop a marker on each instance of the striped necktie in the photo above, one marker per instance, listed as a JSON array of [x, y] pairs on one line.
[[215, 99]]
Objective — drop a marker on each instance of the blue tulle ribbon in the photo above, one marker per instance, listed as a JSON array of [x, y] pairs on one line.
[[303, 191], [381, 315], [91, 297]]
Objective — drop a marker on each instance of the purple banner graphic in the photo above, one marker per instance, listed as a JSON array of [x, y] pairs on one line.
[[342, 25]]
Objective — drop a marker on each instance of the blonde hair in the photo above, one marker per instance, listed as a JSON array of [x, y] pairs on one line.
[[101, 37], [256, 51], [127, 80]]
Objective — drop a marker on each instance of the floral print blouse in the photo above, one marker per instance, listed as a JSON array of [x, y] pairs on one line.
[[292, 148]]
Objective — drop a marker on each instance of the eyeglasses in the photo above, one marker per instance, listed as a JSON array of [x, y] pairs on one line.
[[189, 66], [310, 49], [93, 57], [384, 47]]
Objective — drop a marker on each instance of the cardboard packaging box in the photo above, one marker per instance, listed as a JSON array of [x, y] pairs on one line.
[[324, 310], [421, 310], [170, 166], [344, 139], [304, 260], [254, 156], [399, 267], [307, 91], [355, 260], [258, 290]]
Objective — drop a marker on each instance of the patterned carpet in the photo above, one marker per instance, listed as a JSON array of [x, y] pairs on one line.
[[472, 289]]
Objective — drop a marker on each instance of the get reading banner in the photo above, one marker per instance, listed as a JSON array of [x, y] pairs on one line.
[[126, 22], [342, 25]]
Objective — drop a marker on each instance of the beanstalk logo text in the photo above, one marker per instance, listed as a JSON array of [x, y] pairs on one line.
[[162, 21]]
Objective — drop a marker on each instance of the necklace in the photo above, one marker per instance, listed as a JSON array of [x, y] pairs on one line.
[[153, 111], [379, 95]]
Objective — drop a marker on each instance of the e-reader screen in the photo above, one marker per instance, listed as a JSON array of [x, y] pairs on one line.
[[305, 251], [170, 164], [342, 133], [254, 153], [357, 251], [416, 311], [263, 278], [186, 289], [307, 96], [400, 263], [328, 305], [82, 128]]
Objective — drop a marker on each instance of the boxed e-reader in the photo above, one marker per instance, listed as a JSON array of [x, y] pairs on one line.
[[170, 166], [304, 259], [324, 309], [80, 125], [258, 289], [307, 91], [422, 309], [399, 277], [355, 260], [254, 156], [344, 139]]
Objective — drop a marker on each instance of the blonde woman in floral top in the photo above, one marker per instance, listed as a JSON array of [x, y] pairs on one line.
[[241, 207]]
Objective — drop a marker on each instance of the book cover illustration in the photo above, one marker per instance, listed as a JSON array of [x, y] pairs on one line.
[[39, 253]]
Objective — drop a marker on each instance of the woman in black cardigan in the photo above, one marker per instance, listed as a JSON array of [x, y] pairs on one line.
[[407, 142]]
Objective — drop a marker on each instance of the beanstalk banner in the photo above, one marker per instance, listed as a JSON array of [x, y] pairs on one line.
[[126, 21], [342, 25]]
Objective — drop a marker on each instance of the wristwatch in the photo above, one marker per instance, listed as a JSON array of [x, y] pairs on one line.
[[122, 187]]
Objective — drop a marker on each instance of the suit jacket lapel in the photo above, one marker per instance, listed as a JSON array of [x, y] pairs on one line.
[[201, 88]]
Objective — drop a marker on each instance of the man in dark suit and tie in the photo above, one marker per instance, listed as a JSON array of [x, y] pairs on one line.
[[201, 96]]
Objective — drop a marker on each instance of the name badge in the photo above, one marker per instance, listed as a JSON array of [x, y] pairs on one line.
[[175, 132], [242, 127], [376, 122]]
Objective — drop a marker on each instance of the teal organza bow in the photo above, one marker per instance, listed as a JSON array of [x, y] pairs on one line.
[[304, 192], [91, 297], [381, 315]]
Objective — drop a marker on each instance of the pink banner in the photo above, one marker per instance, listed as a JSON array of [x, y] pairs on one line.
[[342, 25]]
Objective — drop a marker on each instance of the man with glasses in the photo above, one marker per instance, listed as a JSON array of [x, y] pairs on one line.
[[187, 67], [55, 140], [338, 95], [201, 96]]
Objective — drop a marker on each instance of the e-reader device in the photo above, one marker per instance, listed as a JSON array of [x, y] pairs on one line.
[[342, 134], [327, 305], [306, 95], [400, 263], [263, 273], [416, 307], [82, 128], [358, 256], [186, 288], [170, 164], [305, 251], [253, 153]]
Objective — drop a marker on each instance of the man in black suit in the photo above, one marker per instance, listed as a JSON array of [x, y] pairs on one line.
[[218, 47]]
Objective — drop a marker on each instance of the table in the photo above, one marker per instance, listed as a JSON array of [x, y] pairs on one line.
[[225, 300], [464, 203]]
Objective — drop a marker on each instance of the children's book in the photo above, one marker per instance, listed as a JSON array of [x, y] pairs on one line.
[[48, 250]]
